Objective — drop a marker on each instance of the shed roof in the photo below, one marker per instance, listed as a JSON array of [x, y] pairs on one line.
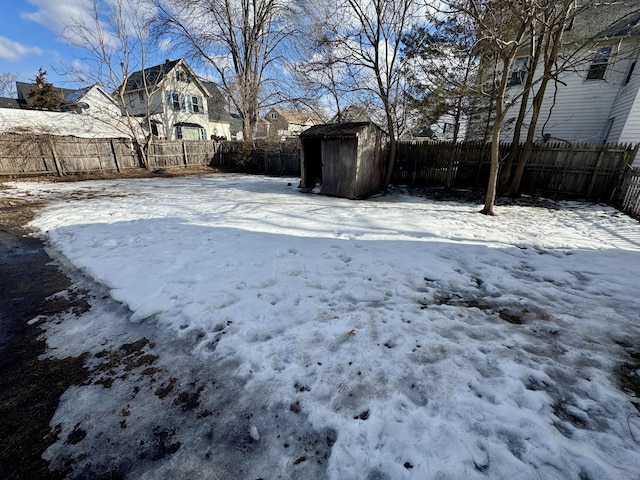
[[336, 130]]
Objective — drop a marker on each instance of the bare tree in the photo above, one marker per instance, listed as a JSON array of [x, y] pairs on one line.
[[501, 28], [8, 84], [366, 37], [550, 54], [242, 40], [114, 37]]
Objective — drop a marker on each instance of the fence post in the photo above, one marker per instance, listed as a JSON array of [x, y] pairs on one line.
[[596, 171], [184, 153], [115, 155], [55, 158]]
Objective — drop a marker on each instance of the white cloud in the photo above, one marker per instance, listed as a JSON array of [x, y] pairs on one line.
[[13, 51], [56, 16]]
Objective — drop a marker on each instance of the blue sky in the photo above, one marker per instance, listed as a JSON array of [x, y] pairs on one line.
[[31, 37]]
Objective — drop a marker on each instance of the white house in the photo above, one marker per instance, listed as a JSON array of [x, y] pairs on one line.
[[598, 99], [284, 123], [88, 112], [172, 97]]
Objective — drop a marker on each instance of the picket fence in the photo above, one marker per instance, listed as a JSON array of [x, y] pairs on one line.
[[630, 193]]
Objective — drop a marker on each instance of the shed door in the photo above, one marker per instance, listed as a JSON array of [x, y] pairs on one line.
[[339, 164]]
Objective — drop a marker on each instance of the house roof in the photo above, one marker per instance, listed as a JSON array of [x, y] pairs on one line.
[[352, 113], [336, 130], [299, 118], [622, 27], [24, 88], [9, 103], [156, 75], [216, 104], [74, 99]]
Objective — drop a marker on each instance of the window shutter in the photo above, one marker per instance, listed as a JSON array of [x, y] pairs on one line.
[[169, 99], [182, 102], [201, 103], [189, 104]]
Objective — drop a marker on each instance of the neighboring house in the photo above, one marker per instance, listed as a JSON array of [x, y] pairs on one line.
[[88, 112], [264, 130], [172, 97], [352, 113], [9, 103], [236, 128], [598, 99], [284, 123], [419, 134], [24, 90], [219, 119], [92, 100]]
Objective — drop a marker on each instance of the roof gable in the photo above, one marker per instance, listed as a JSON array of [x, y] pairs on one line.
[[158, 74], [299, 118]]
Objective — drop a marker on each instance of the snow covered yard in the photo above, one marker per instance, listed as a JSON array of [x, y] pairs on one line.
[[240, 329]]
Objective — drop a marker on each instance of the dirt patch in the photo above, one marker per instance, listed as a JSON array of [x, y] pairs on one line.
[[30, 388]]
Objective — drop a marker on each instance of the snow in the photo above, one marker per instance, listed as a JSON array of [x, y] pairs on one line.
[[290, 335]]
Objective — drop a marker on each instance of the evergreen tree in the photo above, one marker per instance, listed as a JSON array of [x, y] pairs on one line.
[[44, 95]]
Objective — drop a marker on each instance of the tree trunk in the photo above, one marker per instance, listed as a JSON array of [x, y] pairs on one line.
[[514, 187], [391, 161], [490, 199]]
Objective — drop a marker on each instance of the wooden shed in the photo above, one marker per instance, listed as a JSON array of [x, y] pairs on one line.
[[342, 159]]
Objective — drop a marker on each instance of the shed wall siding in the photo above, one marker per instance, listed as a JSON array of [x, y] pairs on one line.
[[337, 169], [368, 169]]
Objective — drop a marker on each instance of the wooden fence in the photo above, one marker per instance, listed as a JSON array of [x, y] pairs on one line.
[[591, 172], [629, 200], [24, 155], [264, 157]]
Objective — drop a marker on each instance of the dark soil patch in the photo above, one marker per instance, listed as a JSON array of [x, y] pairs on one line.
[[30, 388]]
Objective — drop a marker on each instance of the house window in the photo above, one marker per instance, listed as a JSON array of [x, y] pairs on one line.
[[181, 76], [175, 100], [195, 103], [599, 64], [447, 129], [178, 132], [519, 71], [274, 116]]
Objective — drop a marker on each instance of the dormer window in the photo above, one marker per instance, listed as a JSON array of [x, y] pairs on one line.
[[598, 65], [274, 116], [181, 76]]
